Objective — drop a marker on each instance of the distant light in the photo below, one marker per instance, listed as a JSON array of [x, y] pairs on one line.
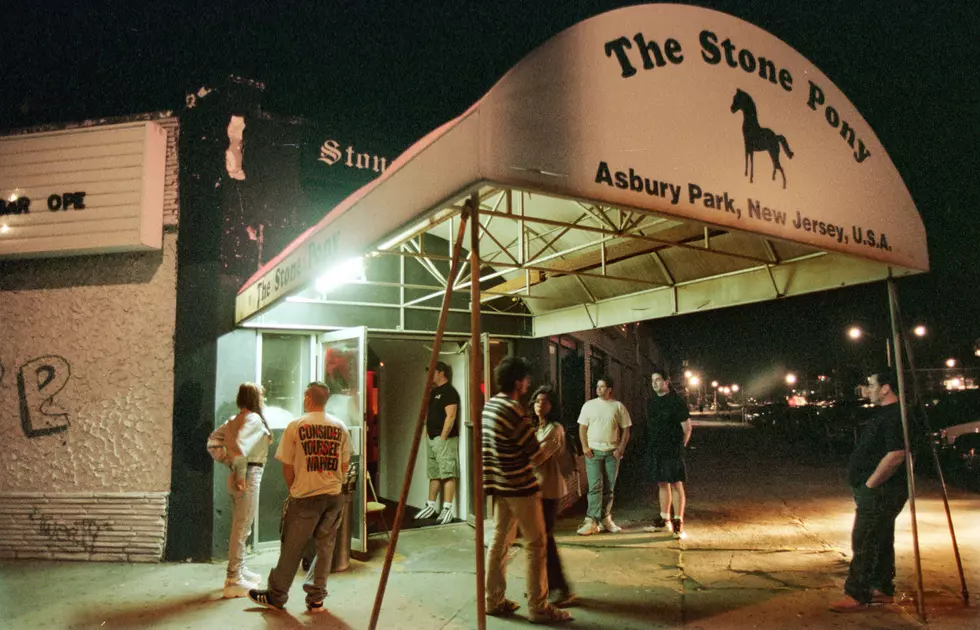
[[920, 331], [821, 378], [694, 381], [714, 383], [688, 374], [950, 363], [854, 332], [791, 379], [350, 271], [735, 387], [381, 363]]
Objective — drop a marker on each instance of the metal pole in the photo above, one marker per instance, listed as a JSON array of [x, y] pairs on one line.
[[917, 400], [419, 426], [920, 605], [476, 409]]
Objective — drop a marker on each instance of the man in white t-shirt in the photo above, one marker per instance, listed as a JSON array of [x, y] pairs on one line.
[[604, 429], [315, 452]]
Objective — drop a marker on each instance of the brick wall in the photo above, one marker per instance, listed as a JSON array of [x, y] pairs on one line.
[[94, 526]]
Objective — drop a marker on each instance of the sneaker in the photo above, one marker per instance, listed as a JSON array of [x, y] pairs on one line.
[[446, 516], [252, 577], [550, 614], [564, 599], [315, 607], [608, 526], [236, 588], [588, 528], [427, 512], [506, 607], [677, 525], [660, 524], [262, 599]]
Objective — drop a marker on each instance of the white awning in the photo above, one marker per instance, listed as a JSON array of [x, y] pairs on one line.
[[613, 165]]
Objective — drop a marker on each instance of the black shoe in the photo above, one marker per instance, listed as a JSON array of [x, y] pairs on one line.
[[659, 525], [307, 563], [678, 527], [262, 599]]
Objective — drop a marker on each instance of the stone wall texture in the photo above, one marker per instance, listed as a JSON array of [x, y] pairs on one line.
[[86, 399]]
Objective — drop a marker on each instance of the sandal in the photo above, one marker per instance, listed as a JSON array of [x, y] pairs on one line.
[[550, 614]]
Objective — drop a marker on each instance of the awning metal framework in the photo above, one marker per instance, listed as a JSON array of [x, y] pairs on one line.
[[554, 265]]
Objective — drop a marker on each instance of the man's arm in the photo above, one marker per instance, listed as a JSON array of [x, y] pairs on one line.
[[624, 438], [686, 426], [887, 467], [583, 436], [288, 474], [447, 425]]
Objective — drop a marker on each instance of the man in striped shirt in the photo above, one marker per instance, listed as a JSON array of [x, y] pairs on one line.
[[509, 445]]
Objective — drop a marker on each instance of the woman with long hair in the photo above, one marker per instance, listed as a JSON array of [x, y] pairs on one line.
[[551, 437], [248, 440]]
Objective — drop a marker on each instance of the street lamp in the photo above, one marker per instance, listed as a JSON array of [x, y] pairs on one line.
[[735, 387], [919, 331], [950, 362], [688, 374], [854, 333]]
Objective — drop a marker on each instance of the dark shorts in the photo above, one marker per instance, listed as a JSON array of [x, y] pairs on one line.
[[668, 467]]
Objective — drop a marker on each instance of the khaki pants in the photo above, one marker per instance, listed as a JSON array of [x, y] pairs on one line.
[[511, 512]]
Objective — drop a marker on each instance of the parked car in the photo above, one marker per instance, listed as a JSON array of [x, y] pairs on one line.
[[954, 419]]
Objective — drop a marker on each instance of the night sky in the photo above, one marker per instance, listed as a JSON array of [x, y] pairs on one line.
[[389, 72]]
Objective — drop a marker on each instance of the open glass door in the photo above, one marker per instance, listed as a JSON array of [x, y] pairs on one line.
[[343, 367]]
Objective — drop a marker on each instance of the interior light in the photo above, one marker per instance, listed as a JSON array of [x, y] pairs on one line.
[[4, 228], [344, 273]]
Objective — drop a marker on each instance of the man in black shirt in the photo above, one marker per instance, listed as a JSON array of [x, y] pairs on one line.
[[443, 445], [877, 477], [668, 430]]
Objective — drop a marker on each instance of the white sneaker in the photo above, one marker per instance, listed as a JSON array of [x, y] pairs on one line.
[[588, 528], [251, 577], [608, 525], [427, 512], [446, 516], [236, 588]]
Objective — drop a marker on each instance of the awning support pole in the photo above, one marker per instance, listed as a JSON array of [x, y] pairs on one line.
[[917, 400], [476, 409], [419, 425], [920, 605]]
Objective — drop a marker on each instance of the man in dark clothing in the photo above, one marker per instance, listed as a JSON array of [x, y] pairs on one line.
[[443, 445], [877, 477], [668, 430]]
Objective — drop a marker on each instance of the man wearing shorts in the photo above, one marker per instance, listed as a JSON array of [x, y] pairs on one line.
[[443, 431], [668, 430]]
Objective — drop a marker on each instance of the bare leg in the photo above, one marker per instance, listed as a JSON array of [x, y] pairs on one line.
[[434, 489], [681, 499], [664, 497], [448, 490]]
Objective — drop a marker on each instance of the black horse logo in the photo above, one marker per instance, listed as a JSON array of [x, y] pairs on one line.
[[758, 138]]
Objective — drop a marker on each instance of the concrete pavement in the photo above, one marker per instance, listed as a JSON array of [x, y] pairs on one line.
[[767, 548]]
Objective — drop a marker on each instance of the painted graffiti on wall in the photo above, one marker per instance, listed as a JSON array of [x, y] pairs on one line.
[[39, 381], [82, 533]]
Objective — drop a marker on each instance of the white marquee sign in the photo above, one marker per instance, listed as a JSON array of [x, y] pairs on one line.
[[90, 190]]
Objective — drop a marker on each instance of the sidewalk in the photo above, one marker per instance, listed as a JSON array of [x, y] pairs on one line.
[[780, 573], [768, 548]]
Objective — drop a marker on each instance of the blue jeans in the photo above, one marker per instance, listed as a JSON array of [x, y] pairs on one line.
[[245, 504], [601, 472], [317, 516]]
